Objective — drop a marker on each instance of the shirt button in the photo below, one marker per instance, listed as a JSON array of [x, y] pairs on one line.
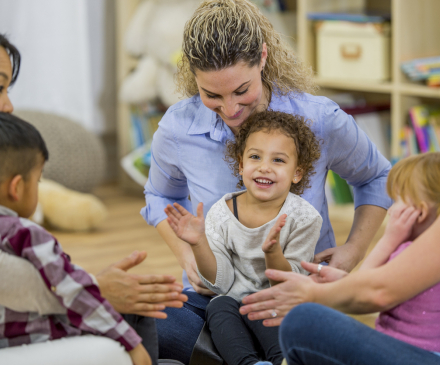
[[53, 288]]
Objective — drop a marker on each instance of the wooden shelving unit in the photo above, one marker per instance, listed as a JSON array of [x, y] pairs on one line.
[[124, 64], [415, 33]]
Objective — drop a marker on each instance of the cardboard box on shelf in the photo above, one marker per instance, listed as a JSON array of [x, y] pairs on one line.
[[352, 51]]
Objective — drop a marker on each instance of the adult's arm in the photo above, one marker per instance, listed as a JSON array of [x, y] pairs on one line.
[[352, 155], [146, 295], [166, 185], [410, 273], [366, 222], [24, 289]]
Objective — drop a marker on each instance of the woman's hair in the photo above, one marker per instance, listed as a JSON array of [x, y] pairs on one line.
[[416, 178], [293, 126], [14, 55], [222, 33]]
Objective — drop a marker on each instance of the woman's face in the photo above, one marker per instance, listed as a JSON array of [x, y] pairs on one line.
[[235, 92], [5, 80]]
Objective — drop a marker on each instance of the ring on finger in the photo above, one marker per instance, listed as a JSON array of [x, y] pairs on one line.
[[319, 269], [273, 313]]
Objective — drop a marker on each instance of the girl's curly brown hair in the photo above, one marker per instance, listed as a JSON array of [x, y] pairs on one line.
[[294, 126]]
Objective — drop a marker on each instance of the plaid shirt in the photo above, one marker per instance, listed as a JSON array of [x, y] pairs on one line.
[[86, 311]]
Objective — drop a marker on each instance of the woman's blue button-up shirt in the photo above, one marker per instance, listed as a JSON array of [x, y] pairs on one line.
[[188, 159]]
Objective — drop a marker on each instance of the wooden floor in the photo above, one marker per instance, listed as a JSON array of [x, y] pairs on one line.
[[125, 231]]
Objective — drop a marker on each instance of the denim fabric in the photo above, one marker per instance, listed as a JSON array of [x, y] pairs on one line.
[[239, 340], [313, 334], [179, 332], [188, 153]]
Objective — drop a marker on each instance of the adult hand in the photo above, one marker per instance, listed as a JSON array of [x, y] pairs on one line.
[[292, 290], [145, 295], [190, 267], [140, 356], [344, 257], [326, 275]]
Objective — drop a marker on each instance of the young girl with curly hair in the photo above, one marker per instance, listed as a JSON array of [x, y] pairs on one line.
[[268, 225]]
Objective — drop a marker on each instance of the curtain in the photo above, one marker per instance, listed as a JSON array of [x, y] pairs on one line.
[[67, 58]]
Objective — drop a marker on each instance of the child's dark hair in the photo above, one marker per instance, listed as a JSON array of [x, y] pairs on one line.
[[20, 143], [294, 126]]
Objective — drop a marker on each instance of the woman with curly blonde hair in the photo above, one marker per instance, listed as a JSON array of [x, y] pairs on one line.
[[235, 64]]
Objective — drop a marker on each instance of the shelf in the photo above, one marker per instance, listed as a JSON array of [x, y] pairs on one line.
[[359, 85], [420, 90]]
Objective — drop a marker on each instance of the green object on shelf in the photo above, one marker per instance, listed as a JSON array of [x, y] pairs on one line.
[[341, 191]]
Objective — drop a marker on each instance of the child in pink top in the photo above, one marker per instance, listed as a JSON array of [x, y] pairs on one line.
[[414, 185]]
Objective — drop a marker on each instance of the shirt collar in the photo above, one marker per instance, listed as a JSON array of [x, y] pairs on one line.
[[207, 121], [7, 211], [281, 104]]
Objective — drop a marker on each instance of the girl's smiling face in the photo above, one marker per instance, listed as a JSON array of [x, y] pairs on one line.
[[235, 92], [5, 80], [269, 166]]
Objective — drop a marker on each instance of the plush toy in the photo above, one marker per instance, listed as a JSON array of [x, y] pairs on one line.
[[67, 209], [76, 166], [155, 35]]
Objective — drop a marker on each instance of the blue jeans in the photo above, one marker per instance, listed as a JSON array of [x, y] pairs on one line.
[[179, 332], [314, 334]]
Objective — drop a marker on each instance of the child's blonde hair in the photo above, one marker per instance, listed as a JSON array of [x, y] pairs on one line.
[[416, 178]]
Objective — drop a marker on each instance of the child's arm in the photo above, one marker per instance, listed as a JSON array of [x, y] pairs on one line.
[[398, 229], [192, 230], [272, 249], [72, 286], [303, 234], [140, 356]]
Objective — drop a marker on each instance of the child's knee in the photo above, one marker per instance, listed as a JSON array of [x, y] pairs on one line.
[[222, 303]]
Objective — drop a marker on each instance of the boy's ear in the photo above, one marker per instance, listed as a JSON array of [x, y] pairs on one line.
[[14, 187], [424, 211], [298, 175]]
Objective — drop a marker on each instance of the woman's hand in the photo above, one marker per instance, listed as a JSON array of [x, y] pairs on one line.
[[145, 295], [270, 244], [294, 289], [139, 356], [326, 275], [344, 257], [187, 227]]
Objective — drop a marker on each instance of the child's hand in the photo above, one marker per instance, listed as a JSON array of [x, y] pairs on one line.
[[273, 237], [139, 356], [400, 223], [187, 227]]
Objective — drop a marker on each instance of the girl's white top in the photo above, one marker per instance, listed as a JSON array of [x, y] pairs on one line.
[[237, 249]]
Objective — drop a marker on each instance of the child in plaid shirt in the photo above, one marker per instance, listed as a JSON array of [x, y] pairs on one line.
[[22, 157]]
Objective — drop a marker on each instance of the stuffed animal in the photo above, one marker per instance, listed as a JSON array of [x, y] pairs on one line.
[[67, 209], [155, 36]]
